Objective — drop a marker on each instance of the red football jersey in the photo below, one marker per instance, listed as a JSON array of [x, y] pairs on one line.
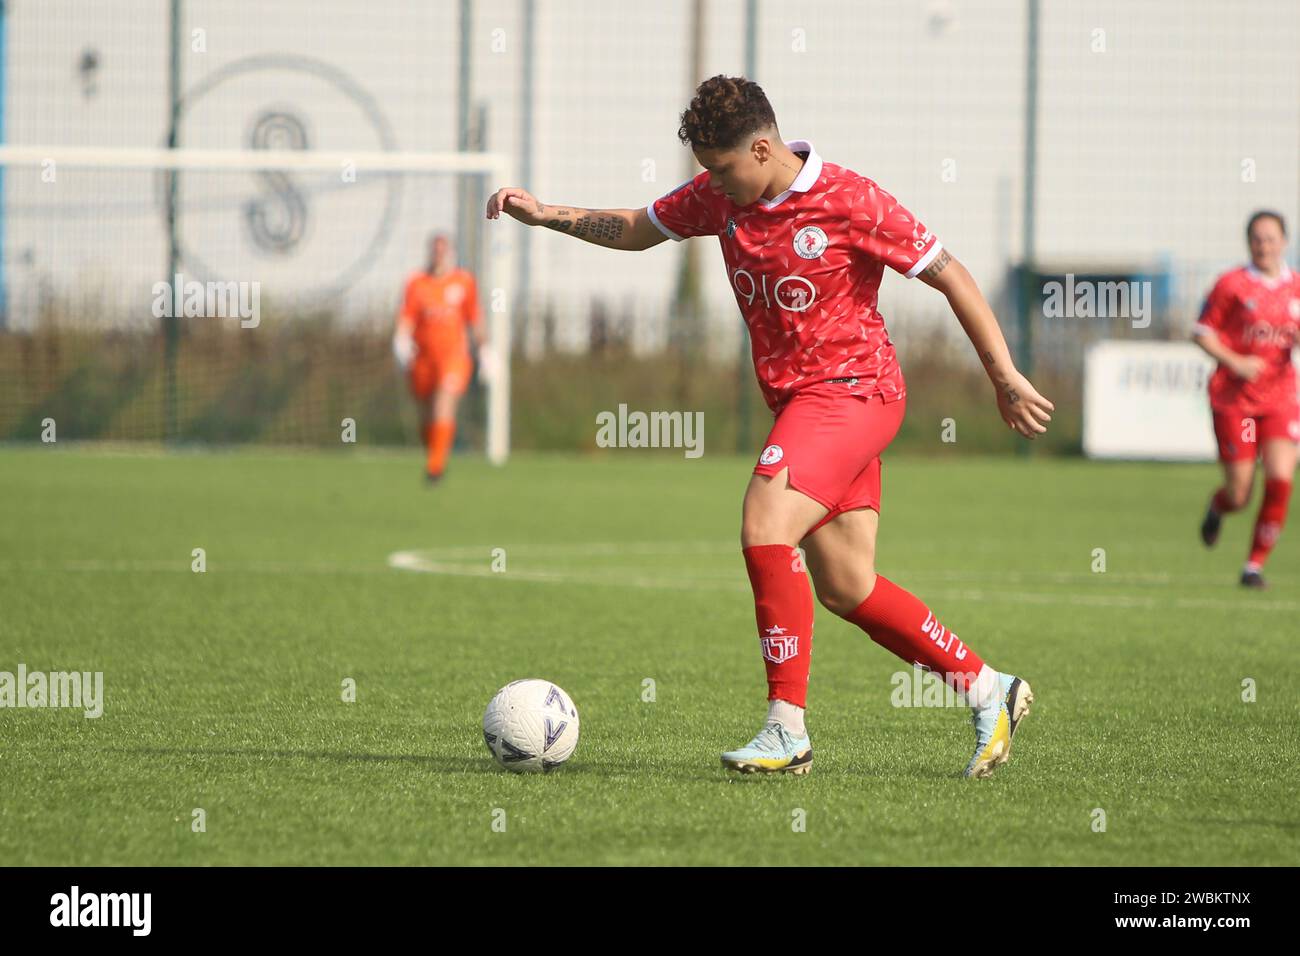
[[806, 268], [1254, 315]]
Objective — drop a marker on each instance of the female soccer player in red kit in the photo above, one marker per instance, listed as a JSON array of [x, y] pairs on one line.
[[1249, 324], [805, 244]]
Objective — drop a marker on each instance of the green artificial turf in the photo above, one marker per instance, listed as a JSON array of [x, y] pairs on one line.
[[223, 689]]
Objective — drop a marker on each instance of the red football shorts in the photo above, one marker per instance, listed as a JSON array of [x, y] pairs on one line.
[[1235, 430], [831, 441], [431, 371]]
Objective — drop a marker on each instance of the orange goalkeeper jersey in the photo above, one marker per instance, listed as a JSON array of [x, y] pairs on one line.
[[437, 310]]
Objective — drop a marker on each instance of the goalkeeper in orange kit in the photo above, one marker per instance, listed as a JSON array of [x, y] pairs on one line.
[[432, 346]]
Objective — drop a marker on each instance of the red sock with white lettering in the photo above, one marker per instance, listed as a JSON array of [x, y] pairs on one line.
[[899, 622], [1272, 516], [783, 606]]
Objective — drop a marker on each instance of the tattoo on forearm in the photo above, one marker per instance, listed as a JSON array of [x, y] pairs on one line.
[[590, 227], [599, 227], [934, 268], [988, 358]]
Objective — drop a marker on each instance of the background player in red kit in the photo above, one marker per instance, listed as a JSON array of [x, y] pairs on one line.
[[805, 244], [1249, 324]]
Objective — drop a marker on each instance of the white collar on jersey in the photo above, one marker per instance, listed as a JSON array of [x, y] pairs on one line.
[[1277, 280], [811, 172]]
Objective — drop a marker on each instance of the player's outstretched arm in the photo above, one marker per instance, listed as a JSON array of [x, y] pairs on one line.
[[1022, 408], [628, 229]]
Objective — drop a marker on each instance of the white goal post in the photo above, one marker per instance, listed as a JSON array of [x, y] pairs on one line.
[[499, 256]]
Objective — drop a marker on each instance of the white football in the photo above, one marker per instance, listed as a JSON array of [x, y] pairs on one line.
[[531, 725]]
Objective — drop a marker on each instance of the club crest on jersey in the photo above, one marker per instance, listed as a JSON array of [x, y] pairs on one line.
[[771, 455], [810, 242], [731, 228], [777, 647]]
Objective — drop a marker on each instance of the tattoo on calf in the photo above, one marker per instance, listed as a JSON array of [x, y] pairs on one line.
[[934, 268]]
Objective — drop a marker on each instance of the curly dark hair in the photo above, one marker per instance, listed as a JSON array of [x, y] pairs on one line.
[[724, 111]]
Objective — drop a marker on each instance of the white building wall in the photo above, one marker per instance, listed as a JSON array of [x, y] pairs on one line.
[[1162, 125]]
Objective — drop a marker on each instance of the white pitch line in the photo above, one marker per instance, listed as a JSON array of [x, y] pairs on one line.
[[415, 561], [584, 548], [434, 561], [687, 548], [182, 566], [420, 561]]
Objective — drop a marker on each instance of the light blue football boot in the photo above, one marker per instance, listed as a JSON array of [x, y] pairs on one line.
[[996, 725], [773, 750]]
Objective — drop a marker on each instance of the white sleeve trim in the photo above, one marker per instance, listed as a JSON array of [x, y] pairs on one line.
[[925, 260], [650, 211]]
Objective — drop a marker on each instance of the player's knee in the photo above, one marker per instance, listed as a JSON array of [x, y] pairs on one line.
[[834, 601], [841, 603], [1239, 496], [756, 529], [843, 596], [752, 537]]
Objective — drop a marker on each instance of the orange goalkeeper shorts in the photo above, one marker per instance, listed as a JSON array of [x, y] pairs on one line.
[[432, 371]]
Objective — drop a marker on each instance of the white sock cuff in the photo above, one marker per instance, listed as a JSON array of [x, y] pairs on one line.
[[984, 689], [789, 715]]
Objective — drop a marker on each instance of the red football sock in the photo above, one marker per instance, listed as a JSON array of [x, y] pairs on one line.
[[1272, 516], [1221, 503], [903, 625], [783, 604]]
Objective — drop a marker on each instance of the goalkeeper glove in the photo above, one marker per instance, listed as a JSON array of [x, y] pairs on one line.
[[403, 348]]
